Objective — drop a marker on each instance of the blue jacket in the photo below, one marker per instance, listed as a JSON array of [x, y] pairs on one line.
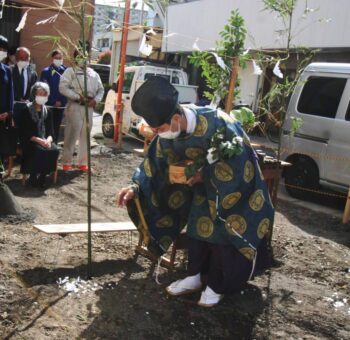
[[52, 75], [6, 89]]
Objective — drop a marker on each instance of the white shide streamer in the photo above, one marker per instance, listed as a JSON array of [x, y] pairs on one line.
[[145, 49], [23, 21], [277, 71], [219, 61], [257, 69]]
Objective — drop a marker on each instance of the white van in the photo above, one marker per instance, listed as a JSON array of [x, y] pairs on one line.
[[320, 149], [134, 76]]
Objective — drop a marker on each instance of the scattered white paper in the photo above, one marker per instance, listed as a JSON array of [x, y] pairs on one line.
[[72, 285], [22, 23], [277, 71], [338, 304]]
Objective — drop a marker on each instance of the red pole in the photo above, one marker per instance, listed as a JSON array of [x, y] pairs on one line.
[[118, 114]]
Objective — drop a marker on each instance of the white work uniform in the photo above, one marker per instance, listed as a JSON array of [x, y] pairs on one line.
[[72, 86]]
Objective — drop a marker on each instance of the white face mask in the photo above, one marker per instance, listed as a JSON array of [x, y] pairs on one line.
[[22, 64], [3, 55], [170, 134], [41, 100], [58, 62]]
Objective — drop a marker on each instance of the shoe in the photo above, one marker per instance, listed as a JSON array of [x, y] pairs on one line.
[[83, 168], [67, 167], [209, 298], [186, 286]]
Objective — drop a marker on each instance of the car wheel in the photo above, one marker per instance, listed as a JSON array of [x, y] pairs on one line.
[[303, 174], [108, 126]]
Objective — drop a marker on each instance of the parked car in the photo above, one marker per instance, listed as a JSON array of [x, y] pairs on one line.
[[320, 149], [103, 71], [134, 76]]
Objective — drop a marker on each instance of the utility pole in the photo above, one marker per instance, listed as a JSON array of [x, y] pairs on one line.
[[231, 88], [124, 42]]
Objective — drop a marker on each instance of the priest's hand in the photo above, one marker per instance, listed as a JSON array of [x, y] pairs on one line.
[[197, 178], [125, 195], [3, 116]]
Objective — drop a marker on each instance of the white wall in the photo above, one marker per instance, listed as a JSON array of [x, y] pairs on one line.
[[204, 20]]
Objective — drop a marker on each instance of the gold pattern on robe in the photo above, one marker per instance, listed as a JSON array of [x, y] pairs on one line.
[[263, 228], [248, 253], [147, 167], [165, 242], [205, 226], [172, 157], [159, 150], [154, 199], [223, 172], [212, 209], [193, 153], [165, 222], [176, 200], [261, 174], [256, 200], [248, 171], [236, 223], [230, 200], [198, 199], [201, 127]]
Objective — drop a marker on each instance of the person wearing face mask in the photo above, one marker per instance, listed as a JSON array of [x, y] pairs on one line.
[[11, 56], [57, 102], [6, 95], [24, 78], [225, 204], [72, 85], [40, 154]]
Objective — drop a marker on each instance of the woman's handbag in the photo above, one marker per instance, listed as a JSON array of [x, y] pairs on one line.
[[8, 139]]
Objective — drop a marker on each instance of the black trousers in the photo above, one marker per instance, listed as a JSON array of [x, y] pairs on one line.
[[224, 267]]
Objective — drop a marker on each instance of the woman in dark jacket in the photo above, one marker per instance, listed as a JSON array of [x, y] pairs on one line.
[[39, 152], [6, 99]]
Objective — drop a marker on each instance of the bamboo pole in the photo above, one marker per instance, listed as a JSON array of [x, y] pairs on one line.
[[119, 111], [232, 84], [87, 121]]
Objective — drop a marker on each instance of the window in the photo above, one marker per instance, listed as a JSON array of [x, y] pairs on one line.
[[150, 75], [128, 77], [321, 96]]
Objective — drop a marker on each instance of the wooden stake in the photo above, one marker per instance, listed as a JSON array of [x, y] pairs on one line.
[[346, 215], [231, 88]]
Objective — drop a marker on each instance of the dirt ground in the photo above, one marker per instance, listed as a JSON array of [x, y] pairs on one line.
[[305, 295]]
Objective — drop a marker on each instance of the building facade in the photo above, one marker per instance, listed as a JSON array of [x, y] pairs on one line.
[[39, 10], [107, 18], [317, 24]]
